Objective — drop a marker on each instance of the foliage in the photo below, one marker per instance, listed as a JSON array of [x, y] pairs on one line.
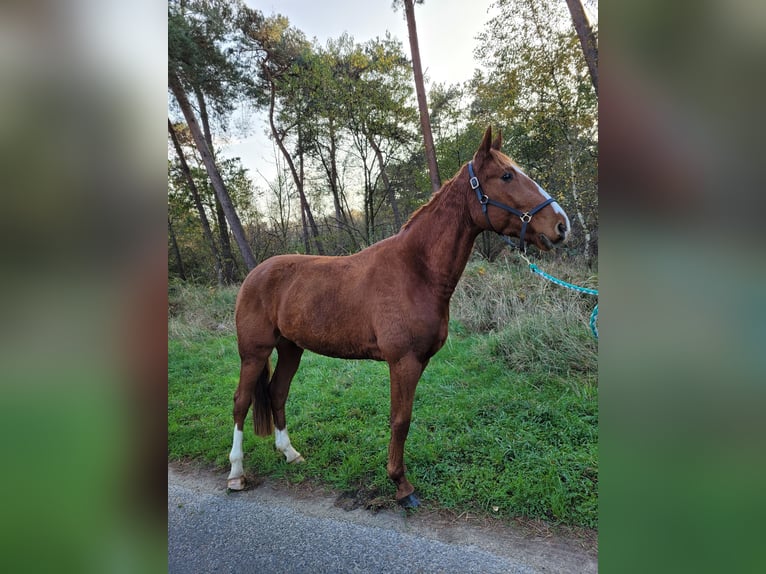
[[198, 31], [352, 168], [200, 64], [182, 214]]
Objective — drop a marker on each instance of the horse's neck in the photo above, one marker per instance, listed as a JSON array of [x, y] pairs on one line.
[[441, 237]]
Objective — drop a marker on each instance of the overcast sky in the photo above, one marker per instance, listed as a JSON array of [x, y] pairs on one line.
[[446, 34], [446, 28]]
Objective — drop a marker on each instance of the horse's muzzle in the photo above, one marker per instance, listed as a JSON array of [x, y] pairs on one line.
[[563, 234]]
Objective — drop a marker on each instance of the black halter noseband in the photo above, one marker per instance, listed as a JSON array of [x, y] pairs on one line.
[[525, 217]]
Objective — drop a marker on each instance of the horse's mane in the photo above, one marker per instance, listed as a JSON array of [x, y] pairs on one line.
[[435, 197]]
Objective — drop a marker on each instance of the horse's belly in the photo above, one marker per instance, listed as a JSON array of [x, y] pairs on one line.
[[339, 349], [347, 340]]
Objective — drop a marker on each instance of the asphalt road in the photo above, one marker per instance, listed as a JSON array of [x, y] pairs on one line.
[[267, 530]]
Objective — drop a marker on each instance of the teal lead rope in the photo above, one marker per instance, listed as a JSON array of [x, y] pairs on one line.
[[593, 317], [535, 269]]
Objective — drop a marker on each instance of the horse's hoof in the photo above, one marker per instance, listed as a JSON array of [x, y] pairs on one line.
[[296, 460], [409, 501], [236, 483]]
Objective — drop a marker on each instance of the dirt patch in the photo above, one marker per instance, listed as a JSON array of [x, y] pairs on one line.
[[371, 500]]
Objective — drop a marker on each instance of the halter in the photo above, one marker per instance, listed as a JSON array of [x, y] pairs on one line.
[[525, 216]]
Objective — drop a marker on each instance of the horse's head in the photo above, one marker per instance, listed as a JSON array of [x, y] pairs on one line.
[[510, 202]]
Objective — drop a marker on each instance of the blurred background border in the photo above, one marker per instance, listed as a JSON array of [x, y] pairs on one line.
[[84, 324]]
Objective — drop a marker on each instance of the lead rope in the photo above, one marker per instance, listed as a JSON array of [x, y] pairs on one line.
[[593, 316]]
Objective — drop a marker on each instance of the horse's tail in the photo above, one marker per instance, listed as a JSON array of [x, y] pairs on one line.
[[263, 422]]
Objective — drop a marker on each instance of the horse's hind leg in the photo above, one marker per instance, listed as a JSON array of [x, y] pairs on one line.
[[254, 371], [287, 364]]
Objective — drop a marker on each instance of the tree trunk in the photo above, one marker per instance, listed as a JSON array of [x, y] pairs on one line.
[[425, 122], [215, 177], [369, 199], [197, 201], [305, 209], [229, 262], [176, 250], [305, 229], [333, 175], [302, 178], [587, 39], [578, 207], [387, 183], [330, 164]]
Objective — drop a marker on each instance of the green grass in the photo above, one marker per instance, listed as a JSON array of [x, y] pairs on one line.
[[485, 436]]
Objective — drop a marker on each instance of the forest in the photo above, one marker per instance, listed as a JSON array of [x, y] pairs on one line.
[[359, 142]]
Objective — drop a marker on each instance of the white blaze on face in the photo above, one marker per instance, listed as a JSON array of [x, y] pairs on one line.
[[282, 442], [555, 205], [235, 456]]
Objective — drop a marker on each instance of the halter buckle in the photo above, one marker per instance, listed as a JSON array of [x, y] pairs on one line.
[[474, 181], [526, 218], [484, 200]]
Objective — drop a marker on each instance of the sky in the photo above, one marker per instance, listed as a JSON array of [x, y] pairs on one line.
[[446, 28], [446, 35]]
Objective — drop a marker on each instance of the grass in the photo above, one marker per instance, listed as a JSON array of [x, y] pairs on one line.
[[534, 325], [505, 420]]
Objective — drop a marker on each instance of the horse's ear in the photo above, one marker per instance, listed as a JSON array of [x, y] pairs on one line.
[[486, 142], [498, 143]]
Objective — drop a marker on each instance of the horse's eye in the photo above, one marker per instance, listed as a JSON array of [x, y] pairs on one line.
[[507, 176]]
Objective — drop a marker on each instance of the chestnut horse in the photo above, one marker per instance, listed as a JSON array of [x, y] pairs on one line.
[[389, 302]]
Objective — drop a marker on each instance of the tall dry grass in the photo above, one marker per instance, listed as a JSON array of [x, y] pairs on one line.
[[194, 310], [533, 325]]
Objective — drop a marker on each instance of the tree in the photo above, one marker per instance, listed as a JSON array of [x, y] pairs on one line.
[[456, 136], [196, 62], [420, 90], [280, 204], [587, 37], [378, 119], [228, 262], [355, 103], [276, 47], [192, 187], [345, 128], [320, 80], [192, 201], [212, 170], [384, 113], [176, 250]]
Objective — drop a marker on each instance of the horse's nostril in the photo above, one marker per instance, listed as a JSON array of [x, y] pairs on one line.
[[561, 227]]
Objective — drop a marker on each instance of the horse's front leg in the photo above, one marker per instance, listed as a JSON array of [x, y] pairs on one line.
[[405, 374]]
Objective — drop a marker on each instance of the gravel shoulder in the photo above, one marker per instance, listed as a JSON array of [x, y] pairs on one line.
[[272, 528]]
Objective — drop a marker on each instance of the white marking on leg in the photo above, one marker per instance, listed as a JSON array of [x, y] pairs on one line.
[[236, 455], [282, 441]]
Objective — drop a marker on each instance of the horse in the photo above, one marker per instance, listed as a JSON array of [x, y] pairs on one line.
[[388, 302]]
